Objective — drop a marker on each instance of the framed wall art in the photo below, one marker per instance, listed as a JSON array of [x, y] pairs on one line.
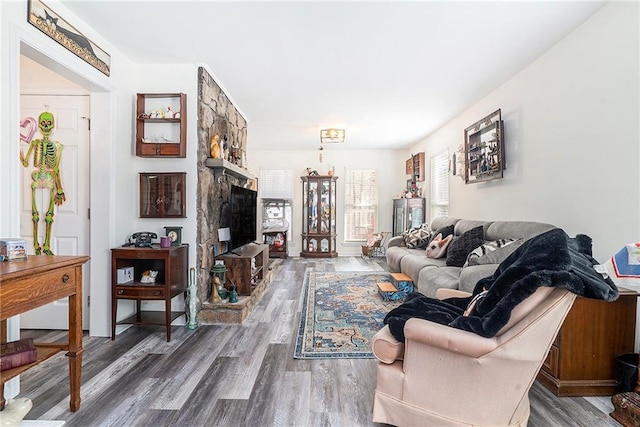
[[46, 20], [484, 149]]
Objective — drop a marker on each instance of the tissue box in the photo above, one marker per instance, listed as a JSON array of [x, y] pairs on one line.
[[124, 275], [12, 249]]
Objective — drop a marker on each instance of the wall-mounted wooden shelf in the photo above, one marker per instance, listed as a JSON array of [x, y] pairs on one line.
[[161, 136], [221, 167]]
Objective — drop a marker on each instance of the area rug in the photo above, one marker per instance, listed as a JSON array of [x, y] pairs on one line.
[[341, 313]]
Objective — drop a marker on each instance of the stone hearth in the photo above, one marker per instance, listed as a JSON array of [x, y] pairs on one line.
[[225, 312]]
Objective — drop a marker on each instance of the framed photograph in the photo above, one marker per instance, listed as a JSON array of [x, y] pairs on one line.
[[47, 21]]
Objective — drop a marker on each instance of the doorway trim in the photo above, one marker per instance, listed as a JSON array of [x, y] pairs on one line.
[[101, 201]]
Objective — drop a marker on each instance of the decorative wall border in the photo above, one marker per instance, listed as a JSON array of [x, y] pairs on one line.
[[50, 23]]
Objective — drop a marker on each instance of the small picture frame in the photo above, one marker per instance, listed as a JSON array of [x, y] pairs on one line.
[[175, 234]]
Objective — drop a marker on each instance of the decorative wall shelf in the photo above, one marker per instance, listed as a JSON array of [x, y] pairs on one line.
[[484, 149], [164, 136], [222, 167]]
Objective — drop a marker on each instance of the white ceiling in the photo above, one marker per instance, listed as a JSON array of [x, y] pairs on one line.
[[390, 73]]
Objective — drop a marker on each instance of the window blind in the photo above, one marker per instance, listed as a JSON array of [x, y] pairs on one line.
[[361, 204], [276, 184], [439, 204]]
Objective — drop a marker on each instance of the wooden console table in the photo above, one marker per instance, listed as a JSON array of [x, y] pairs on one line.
[[37, 281]]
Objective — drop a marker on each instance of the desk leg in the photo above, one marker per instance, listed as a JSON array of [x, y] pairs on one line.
[[75, 345], [3, 339]]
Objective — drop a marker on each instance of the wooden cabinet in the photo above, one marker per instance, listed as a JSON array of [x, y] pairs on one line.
[[171, 281], [319, 216], [415, 167], [581, 361], [162, 195], [408, 213], [277, 241], [161, 125], [484, 149], [246, 267]]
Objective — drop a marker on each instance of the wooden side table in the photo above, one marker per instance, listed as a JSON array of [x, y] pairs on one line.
[[172, 266], [37, 281]]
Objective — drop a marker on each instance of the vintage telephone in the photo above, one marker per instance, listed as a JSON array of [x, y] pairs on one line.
[[141, 239]]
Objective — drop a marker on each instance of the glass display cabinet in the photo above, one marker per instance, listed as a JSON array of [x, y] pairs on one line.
[[162, 195], [319, 216], [408, 213]]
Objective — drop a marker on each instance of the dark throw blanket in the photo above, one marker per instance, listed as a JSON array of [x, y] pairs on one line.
[[551, 259]]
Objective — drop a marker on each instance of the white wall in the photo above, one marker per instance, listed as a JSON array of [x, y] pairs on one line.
[[159, 78], [572, 137], [389, 164]]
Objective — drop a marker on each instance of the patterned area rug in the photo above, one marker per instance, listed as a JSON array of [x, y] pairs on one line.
[[341, 313]]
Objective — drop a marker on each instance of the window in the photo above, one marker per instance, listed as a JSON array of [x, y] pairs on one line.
[[439, 185], [275, 188], [361, 205]]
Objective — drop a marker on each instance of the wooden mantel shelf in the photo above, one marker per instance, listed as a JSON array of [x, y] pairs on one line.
[[222, 167]]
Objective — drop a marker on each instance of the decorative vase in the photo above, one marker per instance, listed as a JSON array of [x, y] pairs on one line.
[[193, 300]]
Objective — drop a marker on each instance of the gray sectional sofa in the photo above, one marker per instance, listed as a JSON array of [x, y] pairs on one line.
[[430, 274]]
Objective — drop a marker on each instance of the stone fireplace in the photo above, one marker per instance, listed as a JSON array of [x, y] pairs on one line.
[[217, 116]]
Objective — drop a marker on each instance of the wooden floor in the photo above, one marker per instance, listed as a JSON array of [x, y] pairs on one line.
[[239, 375]]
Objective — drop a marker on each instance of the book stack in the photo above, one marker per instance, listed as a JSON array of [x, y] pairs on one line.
[[17, 353]]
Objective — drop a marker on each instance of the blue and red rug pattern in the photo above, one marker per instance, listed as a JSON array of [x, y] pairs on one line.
[[341, 313]]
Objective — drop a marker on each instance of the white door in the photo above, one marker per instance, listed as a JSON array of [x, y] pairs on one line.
[[70, 231]]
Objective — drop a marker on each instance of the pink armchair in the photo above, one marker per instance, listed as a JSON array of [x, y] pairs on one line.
[[449, 377]]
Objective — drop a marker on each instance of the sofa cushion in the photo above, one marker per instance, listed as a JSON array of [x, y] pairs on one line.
[[412, 264], [465, 225], [394, 255], [516, 230], [485, 249], [432, 279], [442, 221], [463, 245], [470, 275]]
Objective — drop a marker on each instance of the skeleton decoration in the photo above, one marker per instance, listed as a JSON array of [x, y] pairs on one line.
[[46, 160]]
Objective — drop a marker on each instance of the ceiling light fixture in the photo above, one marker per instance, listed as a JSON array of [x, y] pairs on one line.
[[331, 136]]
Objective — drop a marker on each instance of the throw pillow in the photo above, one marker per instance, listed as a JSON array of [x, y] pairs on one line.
[[418, 237], [460, 247], [437, 248], [444, 232], [497, 256], [486, 248]]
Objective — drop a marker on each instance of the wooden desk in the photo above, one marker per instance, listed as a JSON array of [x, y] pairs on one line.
[[37, 281]]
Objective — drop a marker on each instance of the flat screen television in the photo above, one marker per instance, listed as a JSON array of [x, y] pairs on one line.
[[243, 209]]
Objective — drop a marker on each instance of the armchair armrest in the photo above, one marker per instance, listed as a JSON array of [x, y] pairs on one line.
[[444, 293], [447, 338]]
